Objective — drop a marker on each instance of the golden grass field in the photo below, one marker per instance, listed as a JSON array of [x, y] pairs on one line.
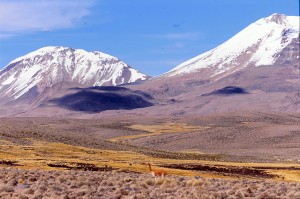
[[153, 130], [59, 156]]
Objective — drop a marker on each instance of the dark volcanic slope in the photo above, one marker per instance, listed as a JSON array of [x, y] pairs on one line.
[[97, 99]]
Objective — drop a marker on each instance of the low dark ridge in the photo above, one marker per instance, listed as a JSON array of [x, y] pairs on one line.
[[229, 90]]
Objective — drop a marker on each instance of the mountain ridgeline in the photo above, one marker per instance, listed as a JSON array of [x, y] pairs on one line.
[[256, 70], [27, 78]]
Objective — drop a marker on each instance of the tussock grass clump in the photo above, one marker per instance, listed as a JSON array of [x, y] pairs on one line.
[[197, 183], [144, 185], [29, 191], [296, 194], [189, 183], [37, 197], [6, 189], [159, 181], [106, 184], [23, 197], [150, 182]]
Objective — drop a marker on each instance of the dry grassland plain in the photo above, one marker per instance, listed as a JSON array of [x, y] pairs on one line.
[[119, 150]]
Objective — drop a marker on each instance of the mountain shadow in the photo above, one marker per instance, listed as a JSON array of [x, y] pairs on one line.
[[97, 99], [228, 90]]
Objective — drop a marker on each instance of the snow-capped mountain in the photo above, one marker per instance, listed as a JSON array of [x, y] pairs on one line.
[[256, 70], [50, 66], [264, 42]]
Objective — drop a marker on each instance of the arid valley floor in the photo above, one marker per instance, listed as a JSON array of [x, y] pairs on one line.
[[249, 155]]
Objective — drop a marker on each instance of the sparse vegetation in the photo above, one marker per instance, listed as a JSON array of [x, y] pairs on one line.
[[109, 184]]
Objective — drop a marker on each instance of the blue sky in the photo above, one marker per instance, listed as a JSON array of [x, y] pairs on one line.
[[152, 36]]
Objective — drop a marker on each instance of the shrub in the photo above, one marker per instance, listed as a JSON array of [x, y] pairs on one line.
[[297, 194], [8, 189], [38, 197], [189, 182], [29, 191], [159, 181], [23, 197], [110, 183], [197, 183], [144, 185], [150, 182]]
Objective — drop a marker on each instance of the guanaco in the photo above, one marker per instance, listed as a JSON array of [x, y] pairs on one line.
[[157, 172]]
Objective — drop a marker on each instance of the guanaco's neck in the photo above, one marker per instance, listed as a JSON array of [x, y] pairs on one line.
[[150, 167]]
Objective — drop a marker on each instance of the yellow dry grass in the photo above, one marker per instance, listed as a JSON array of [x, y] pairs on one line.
[[40, 154], [288, 175], [159, 129]]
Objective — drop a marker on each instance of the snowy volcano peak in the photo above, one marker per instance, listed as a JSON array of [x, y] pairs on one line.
[[54, 65], [281, 19], [261, 43], [52, 50]]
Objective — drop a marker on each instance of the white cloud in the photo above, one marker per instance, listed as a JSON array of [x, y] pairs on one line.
[[5, 36], [40, 15]]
